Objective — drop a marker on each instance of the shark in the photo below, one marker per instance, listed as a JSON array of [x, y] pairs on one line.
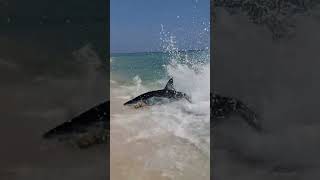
[[88, 128], [92, 127], [162, 96], [222, 107]]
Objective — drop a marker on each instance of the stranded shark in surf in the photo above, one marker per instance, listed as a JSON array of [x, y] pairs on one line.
[[92, 127], [86, 129], [222, 107], [168, 94]]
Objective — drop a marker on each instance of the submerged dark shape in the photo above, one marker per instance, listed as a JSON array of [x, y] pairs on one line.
[[168, 94], [90, 127], [222, 107]]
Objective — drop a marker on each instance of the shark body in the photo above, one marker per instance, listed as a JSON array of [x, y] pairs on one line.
[[90, 127], [168, 94], [222, 107]]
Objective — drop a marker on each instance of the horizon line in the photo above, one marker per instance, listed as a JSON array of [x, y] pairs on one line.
[[156, 51]]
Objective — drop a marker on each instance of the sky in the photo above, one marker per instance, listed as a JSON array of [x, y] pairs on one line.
[[136, 24]]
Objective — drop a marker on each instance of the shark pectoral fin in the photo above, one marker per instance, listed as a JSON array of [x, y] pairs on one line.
[[137, 106], [140, 104]]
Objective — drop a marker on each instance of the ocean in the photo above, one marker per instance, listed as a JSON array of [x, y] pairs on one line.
[[169, 141]]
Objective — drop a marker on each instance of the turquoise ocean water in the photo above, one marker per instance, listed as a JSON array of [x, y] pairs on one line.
[[151, 67]]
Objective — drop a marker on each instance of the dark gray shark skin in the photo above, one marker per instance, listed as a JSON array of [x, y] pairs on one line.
[[223, 107], [90, 127], [168, 94]]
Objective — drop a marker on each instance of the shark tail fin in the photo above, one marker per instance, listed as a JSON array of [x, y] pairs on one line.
[[169, 85]]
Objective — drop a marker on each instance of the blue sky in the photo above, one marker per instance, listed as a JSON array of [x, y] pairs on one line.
[[136, 24]]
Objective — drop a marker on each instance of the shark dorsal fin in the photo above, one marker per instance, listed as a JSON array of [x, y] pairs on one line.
[[169, 85]]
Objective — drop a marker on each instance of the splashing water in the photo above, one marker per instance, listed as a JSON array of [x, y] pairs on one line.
[[178, 133], [191, 75]]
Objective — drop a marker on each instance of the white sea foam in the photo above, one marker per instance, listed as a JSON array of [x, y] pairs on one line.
[[183, 119], [187, 123]]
